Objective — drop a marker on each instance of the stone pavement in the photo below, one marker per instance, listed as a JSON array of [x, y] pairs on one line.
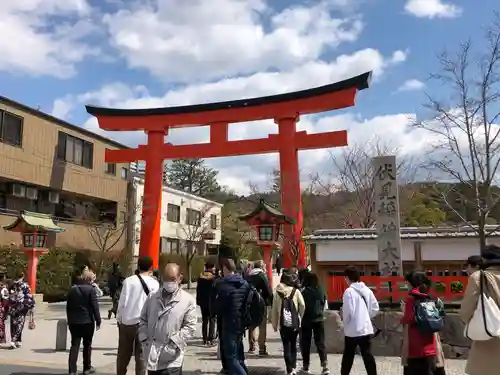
[[37, 356]]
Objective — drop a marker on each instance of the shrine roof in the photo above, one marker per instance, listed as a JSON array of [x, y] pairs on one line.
[[28, 221], [271, 210], [359, 82], [406, 233]]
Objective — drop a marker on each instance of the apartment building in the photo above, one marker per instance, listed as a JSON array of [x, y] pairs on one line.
[[189, 222], [53, 167]]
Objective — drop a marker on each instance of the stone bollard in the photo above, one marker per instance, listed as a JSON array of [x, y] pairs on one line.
[[61, 335]]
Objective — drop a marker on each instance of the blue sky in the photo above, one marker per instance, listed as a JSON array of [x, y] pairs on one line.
[[62, 54]]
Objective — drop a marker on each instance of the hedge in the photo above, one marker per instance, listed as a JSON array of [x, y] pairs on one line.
[[55, 270], [197, 264]]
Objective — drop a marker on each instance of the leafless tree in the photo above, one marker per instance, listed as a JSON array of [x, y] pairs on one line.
[[465, 128], [195, 232], [107, 234], [353, 176]]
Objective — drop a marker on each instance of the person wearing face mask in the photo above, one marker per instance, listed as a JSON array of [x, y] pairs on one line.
[[133, 296], [167, 321]]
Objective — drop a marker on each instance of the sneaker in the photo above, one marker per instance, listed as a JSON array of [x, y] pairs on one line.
[[12, 345], [325, 371], [89, 371], [305, 370], [251, 350], [18, 344]]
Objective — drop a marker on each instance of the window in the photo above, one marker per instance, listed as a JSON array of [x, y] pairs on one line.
[[170, 245], [75, 150], [110, 168], [124, 173], [213, 221], [11, 128], [173, 213], [193, 217]]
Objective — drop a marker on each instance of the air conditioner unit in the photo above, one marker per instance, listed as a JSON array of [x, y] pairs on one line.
[[18, 190], [54, 197], [31, 193]]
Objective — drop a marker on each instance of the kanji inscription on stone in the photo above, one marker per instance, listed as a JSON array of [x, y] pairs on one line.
[[387, 211], [386, 172]]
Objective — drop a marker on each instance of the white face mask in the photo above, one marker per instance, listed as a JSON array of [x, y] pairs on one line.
[[170, 286]]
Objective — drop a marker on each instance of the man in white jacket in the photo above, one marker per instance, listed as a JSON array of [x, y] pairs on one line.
[[359, 307]]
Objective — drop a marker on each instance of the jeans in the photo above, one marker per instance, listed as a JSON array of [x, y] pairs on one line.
[[207, 326], [79, 333], [289, 340], [128, 344], [310, 330], [350, 345], [233, 353]]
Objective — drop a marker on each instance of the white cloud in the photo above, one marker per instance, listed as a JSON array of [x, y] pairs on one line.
[[61, 108], [199, 39], [412, 85], [31, 42], [432, 9]]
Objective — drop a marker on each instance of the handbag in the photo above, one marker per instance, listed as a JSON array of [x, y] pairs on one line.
[[485, 323]]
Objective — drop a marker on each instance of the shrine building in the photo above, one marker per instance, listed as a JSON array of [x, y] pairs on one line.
[[439, 250]]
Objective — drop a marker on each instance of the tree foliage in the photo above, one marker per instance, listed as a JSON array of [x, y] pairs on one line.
[[192, 176]]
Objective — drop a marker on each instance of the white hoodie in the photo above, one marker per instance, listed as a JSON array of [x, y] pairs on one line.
[[356, 313]]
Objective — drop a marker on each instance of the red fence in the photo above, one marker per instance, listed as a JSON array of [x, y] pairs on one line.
[[385, 288]]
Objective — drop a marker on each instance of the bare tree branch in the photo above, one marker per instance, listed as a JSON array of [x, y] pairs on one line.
[[465, 144], [352, 173]]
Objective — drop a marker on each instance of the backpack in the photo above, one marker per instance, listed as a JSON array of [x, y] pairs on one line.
[[289, 314], [253, 309], [428, 315]]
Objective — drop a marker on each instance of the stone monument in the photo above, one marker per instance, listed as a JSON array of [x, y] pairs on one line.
[[387, 215]]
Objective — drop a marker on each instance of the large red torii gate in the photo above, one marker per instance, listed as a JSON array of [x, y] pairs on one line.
[[285, 109]]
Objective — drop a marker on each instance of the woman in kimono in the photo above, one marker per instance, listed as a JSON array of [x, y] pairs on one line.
[[4, 303], [21, 302]]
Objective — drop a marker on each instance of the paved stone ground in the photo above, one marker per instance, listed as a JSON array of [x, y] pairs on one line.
[[37, 356]]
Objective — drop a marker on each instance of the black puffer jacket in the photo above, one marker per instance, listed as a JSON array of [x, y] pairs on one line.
[[204, 289], [258, 279], [230, 294], [81, 305]]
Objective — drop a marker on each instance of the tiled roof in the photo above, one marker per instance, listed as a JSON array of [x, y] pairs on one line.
[[406, 233]]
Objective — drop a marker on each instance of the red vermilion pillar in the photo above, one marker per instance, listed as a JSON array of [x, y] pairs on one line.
[[151, 205], [269, 263], [33, 255], [290, 188]]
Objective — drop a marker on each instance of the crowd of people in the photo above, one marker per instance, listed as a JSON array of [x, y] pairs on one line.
[[156, 317], [16, 304]]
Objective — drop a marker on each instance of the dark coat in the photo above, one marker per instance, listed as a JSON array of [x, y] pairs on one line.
[[315, 299], [230, 294], [82, 306], [204, 291], [259, 280]]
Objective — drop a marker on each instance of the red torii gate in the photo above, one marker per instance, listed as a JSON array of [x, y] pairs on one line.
[[285, 109]]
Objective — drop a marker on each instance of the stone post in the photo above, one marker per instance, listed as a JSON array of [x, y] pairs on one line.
[[387, 215]]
